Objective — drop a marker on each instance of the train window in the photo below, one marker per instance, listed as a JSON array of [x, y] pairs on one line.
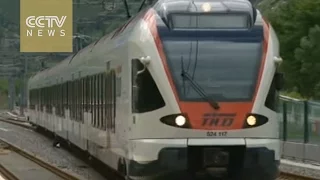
[[51, 96], [78, 98], [110, 100], [62, 99], [57, 99], [54, 97], [65, 99], [52, 102], [70, 98], [68, 95], [209, 21], [272, 97], [42, 99], [145, 93], [114, 98], [84, 96], [95, 100], [47, 99], [85, 100], [103, 100], [81, 101], [107, 100], [36, 99], [118, 86], [73, 99], [88, 94], [84, 93], [98, 100], [91, 98], [65, 96]]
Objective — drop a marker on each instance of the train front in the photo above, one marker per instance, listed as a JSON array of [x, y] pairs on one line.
[[213, 111]]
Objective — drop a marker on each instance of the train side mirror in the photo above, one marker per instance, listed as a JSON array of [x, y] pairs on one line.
[[145, 62], [279, 81], [277, 60]]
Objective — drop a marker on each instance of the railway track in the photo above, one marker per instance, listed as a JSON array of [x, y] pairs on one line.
[[15, 164], [63, 175], [291, 176]]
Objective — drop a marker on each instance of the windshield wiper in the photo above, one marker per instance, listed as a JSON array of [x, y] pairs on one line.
[[196, 87]]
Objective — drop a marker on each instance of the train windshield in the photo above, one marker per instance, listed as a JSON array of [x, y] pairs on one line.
[[225, 64]]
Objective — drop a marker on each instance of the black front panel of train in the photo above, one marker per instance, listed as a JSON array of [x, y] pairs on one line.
[[146, 96], [225, 63]]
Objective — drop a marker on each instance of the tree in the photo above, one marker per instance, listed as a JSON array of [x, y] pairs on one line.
[[308, 54], [292, 20]]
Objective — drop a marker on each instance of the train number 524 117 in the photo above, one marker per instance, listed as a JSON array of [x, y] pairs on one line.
[[210, 133]]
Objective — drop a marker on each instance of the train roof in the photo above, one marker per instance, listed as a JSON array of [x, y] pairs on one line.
[[70, 63]]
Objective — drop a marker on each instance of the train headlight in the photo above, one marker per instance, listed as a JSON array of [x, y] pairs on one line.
[[255, 120], [251, 120], [180, 120], [176, 120], [206, 7]]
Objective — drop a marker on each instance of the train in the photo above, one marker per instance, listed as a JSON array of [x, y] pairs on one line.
[[184, 89]]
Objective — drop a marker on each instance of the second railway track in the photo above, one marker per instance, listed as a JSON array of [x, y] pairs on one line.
[[63, 175], [291, 176], [17, 164]]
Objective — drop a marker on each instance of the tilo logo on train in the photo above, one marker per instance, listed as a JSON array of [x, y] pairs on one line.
[[218, 119], [45, 25]]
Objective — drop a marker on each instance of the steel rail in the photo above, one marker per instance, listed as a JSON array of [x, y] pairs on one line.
[[5, 173], [15, 122], [47, 166], [292, 176]]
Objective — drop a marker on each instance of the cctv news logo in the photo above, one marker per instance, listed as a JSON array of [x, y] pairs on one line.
[[45, 25]]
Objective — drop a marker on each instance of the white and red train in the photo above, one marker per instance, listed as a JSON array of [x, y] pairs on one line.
[[185, 88]]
